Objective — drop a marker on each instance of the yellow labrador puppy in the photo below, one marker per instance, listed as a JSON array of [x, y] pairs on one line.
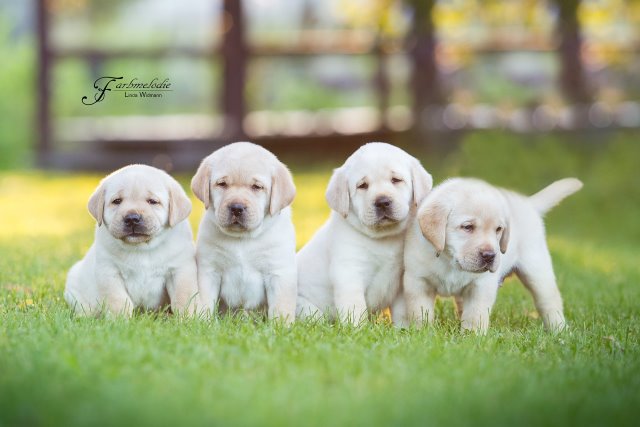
[[354, 262], [143, 255], [246, 242], [468, 236]]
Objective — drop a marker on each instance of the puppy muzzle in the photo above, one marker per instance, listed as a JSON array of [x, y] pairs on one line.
[[384, 210], [134, 234], [236, 216]]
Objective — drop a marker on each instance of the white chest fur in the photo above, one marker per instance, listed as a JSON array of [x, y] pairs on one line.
[[384, 281], [146, 285], [449, 283], [377, 263], [246, 267], [242, 284]]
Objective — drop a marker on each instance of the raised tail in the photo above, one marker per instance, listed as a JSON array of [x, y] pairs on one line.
[[554, 193]]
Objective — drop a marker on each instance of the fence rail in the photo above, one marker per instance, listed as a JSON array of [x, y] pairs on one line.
[[179, 141]]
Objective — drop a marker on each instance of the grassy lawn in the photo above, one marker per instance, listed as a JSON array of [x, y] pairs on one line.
[[158, 370]]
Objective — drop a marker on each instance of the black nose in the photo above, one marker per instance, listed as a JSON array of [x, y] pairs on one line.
[[132, 219], [488, 256], [382, 202], [237, 209]]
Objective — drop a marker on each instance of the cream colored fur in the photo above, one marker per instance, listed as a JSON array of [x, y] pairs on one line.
[[461, 220], [145, 267], [353, 264], [246, 261]]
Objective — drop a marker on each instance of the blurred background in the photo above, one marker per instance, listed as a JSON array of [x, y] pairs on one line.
[[308, 78]]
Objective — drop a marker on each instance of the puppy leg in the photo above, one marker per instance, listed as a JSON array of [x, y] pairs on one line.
[[113, 295], [182, 288], [420, 300], [348, 294], [459, 305], [399, 312], [478, 299], [305, 308], [536, 272], [209, 282], [281, 296]]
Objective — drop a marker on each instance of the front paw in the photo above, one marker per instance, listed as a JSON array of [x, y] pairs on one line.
[[554, 322], [477, 324]]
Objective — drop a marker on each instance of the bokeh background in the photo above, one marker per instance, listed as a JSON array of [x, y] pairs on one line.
[[304, 76]]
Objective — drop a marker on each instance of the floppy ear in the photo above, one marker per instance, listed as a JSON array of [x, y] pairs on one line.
[[96, 203], [338, 192], [432, 219], [200, 183], [179, 204], [283, 190], [504, 239], [422, 182]]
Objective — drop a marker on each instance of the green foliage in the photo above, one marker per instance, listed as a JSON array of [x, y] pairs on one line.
[[310, 84], [56, 369], [17, 103]]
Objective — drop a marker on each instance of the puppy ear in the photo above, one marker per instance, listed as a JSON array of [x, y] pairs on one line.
[[96, 203], [338, 192], [504, 239], [432, 219], [283, 190], [179, 204], [200, 183], [422, 182]]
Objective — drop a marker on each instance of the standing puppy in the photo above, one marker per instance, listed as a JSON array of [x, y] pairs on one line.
[[246, 242], [468, 237], [354, 262], [143, 254]]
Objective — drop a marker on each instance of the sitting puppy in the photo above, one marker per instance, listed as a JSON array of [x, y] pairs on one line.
[[143, 255], [246, 242], [354, 262], [468, 236]]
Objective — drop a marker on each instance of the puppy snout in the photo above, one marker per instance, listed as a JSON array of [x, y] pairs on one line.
[[382, 203], [237, 209], [132, 219], [488, 256]]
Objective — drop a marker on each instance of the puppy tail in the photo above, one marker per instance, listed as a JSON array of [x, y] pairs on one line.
[[554, 193]]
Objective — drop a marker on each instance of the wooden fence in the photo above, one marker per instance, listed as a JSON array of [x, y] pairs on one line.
[[97, 146]]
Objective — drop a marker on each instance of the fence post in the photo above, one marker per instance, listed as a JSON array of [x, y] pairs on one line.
[[234, 54], [572, 78], [421, 46], [43, 84], [381, 81]]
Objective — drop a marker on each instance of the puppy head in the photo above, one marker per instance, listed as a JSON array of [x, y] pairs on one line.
[[138, 202], [241, 184], [466, 219], [377, 188]]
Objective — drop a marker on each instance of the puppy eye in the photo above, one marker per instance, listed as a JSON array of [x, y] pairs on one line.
[[363, 186], [467, 227], [221, 184], [257, 187], [116, 201], [499, 229], [152, 201], [396, 180]]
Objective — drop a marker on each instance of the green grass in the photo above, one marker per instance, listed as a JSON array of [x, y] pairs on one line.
[[56, 369]]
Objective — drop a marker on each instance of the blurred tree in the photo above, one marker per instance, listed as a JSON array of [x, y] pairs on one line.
[[421, 45], [572, 76], [234, 51]]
